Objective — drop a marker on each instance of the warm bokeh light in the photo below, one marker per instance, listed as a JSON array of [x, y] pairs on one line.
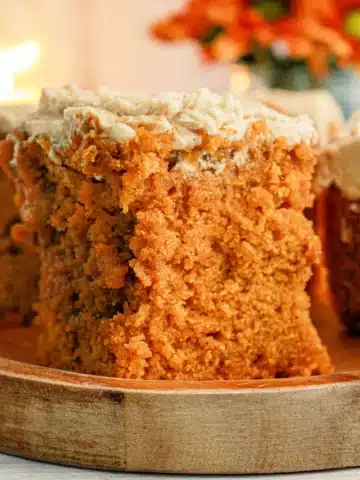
[[240, 79], [15, 60]]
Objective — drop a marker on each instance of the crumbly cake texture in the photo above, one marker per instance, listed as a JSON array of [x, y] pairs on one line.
[[18, 263], [337, 183], [171, 232]]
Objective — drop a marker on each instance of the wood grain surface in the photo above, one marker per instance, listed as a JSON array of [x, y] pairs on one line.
[[282, 425]]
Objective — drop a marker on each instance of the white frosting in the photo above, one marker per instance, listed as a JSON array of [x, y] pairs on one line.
[[7, 123], [63, 111], [339, 162], [12, 115], [13, 161], [186, 167], [319, 104], [240, 157]]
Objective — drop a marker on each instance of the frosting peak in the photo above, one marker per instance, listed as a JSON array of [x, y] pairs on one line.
[[182, 114]]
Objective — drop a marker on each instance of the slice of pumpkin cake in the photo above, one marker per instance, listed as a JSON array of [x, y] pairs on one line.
[[171, 232]]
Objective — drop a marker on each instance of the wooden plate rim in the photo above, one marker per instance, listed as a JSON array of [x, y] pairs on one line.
[[13, 368]]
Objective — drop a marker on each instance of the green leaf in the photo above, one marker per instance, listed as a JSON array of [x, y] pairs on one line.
[[211, 34], [272, 10], [248, 59]]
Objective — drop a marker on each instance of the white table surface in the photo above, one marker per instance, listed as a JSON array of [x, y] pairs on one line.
[[13, 468]]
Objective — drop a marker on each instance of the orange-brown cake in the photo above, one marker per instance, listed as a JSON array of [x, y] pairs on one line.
[[18, 264], [337, 182], [172, 238]]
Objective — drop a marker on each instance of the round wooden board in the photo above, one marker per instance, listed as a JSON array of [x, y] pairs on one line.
[[282, 425]]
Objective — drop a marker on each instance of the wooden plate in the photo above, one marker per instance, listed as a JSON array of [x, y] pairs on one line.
[[282, 425]]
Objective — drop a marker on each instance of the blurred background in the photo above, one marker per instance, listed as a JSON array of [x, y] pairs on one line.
[[298, 55], [99, 42]]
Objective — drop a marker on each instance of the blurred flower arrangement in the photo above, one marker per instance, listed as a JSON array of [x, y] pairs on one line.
[[276, 35]]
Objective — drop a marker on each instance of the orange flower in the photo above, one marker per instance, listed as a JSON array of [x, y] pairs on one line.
[[226, 29], [207, 54], [312, 30], [309, 36], [325, 36], [248, 28], [227, 49], [223, 12], [171, 29], [192, 22], [346, 5], [320, 10], [289, 32]]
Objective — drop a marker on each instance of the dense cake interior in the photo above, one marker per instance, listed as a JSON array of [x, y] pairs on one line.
[[170, 251]]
